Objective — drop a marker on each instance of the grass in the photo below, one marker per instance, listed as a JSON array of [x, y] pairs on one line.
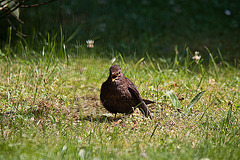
[[50, 107], [50, 85]]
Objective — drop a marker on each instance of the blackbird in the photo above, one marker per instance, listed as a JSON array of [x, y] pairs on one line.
[[120, 95]]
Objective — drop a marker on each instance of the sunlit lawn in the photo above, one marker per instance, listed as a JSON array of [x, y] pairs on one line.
[[50, 109]]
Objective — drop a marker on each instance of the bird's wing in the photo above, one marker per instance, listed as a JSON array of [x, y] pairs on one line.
[[135, 93]]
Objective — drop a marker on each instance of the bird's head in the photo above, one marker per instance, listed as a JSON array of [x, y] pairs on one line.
[[115, 73]]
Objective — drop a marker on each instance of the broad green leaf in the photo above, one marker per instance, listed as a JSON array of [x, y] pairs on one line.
[[195, 100], [16, 12]]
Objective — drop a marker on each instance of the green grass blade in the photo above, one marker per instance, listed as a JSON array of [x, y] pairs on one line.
[[151, 62], [213, 61], [205, 111], [195, 100], [228, 118], [139, 62], [121, 57], [220, 54], [154, 130], [173, 99], [200, 82], [75, 33], [176, 58]]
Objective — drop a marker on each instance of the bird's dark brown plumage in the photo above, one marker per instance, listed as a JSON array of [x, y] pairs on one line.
[[120, 95]]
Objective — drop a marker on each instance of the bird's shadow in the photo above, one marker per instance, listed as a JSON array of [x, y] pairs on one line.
[[101, 118]]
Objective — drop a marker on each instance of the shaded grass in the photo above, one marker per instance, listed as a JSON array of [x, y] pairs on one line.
[[149, 26], [50, 109]]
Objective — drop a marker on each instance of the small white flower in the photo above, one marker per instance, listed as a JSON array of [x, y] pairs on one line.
[[90, 43], [227, 12], [196, 57]]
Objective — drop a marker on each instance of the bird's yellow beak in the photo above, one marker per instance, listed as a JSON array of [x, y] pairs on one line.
[[113, 76]]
